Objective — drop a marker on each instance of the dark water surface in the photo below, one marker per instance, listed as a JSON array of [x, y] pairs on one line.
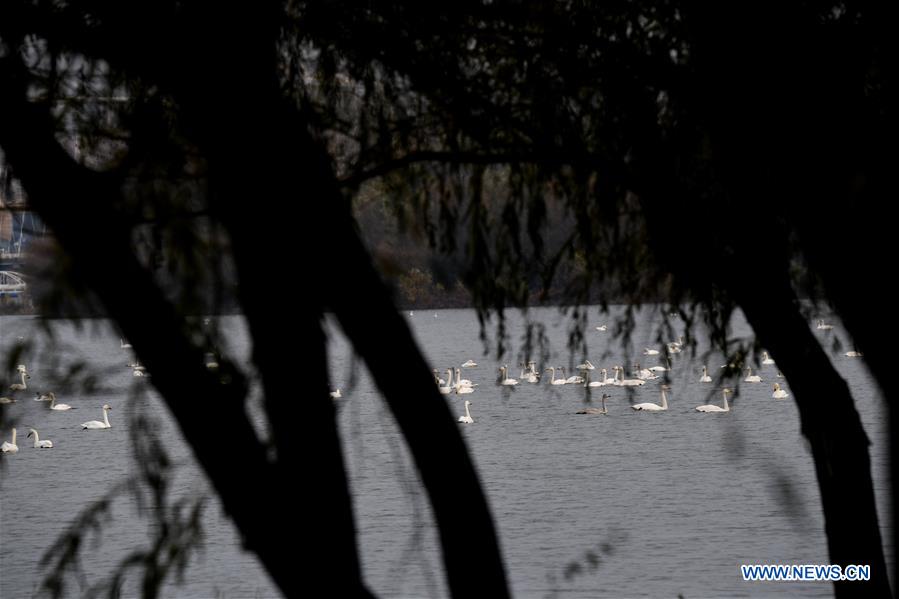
[[631, 504]]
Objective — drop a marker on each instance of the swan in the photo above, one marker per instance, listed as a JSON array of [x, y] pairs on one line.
[[554, 380], [469, 364], [211, 361], [601, 410], [586, 366], [335, 394], [124, 345], [137, 366], [58, 406], [675, 347], [21, 386], [644, 374], [779, 393], [97, 423], [10, 446], [710, 407], [627, 382], [661, 368], [823, 327], [506, 380], [437, 378], [854, 354], [605, 378], [651, 407], [752, 378], [6, 400], [766, 359], [705, 378], [601, 328], [38, 444], [462, 390], [572, 380], [589, 383], [461, 381], [530, 375], [446, 387], [467, 419], [650, 352], [138, 373], [780, 374]]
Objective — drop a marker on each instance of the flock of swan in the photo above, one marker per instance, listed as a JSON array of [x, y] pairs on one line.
[[11, 446], [638, 377]]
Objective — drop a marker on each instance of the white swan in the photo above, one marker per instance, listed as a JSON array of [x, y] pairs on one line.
[[461, 381], [554, 380], [710, 407], [586, 366], [572, 380], [38, 444], [97, 423], [10, 446], [779, 393], [644, 374], [650, 352], [530, 375], [138, 373], [766, 359], [661, 368], [601, 410], [58, 406], [854, 354], [440, 382], [446, 388], [124, 345], [705, 378], [752, 378], [6, 400], [336, 394], [822, 326], [626, 382], [505, 379], [469, 364], [601, 328], [21, 386], [467, 419], [589, 383], [651, 407]]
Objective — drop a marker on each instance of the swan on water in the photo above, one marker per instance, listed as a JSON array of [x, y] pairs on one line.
[[650, 352], [21, 386], [601, 410], [644, 374], [705, 378], [661, 368], [5, 400], [530, 375], [622, 382], [38, 444], [766, 359], [822, 326], [854, 354], [467, 419], [505, 380], [97, 423], [751, 378], [589, 383], [446, 387], [710, 407], [779, 393], [10, 446], [58, 406], [586, 366], [572, 380], [652, 407], [124, 345], [437, 378], [461, 381], [601, 328], [554, 380], [335, 394], [469, 364]]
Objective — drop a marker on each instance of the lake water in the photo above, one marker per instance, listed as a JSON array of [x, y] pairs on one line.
[[633, 504]]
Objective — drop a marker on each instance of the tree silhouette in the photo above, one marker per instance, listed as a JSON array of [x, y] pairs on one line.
[[657, 126]]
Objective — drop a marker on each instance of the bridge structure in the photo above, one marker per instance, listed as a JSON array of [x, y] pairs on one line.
[[12, 284]]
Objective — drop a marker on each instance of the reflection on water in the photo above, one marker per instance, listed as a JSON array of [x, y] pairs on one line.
[[629, 504]]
